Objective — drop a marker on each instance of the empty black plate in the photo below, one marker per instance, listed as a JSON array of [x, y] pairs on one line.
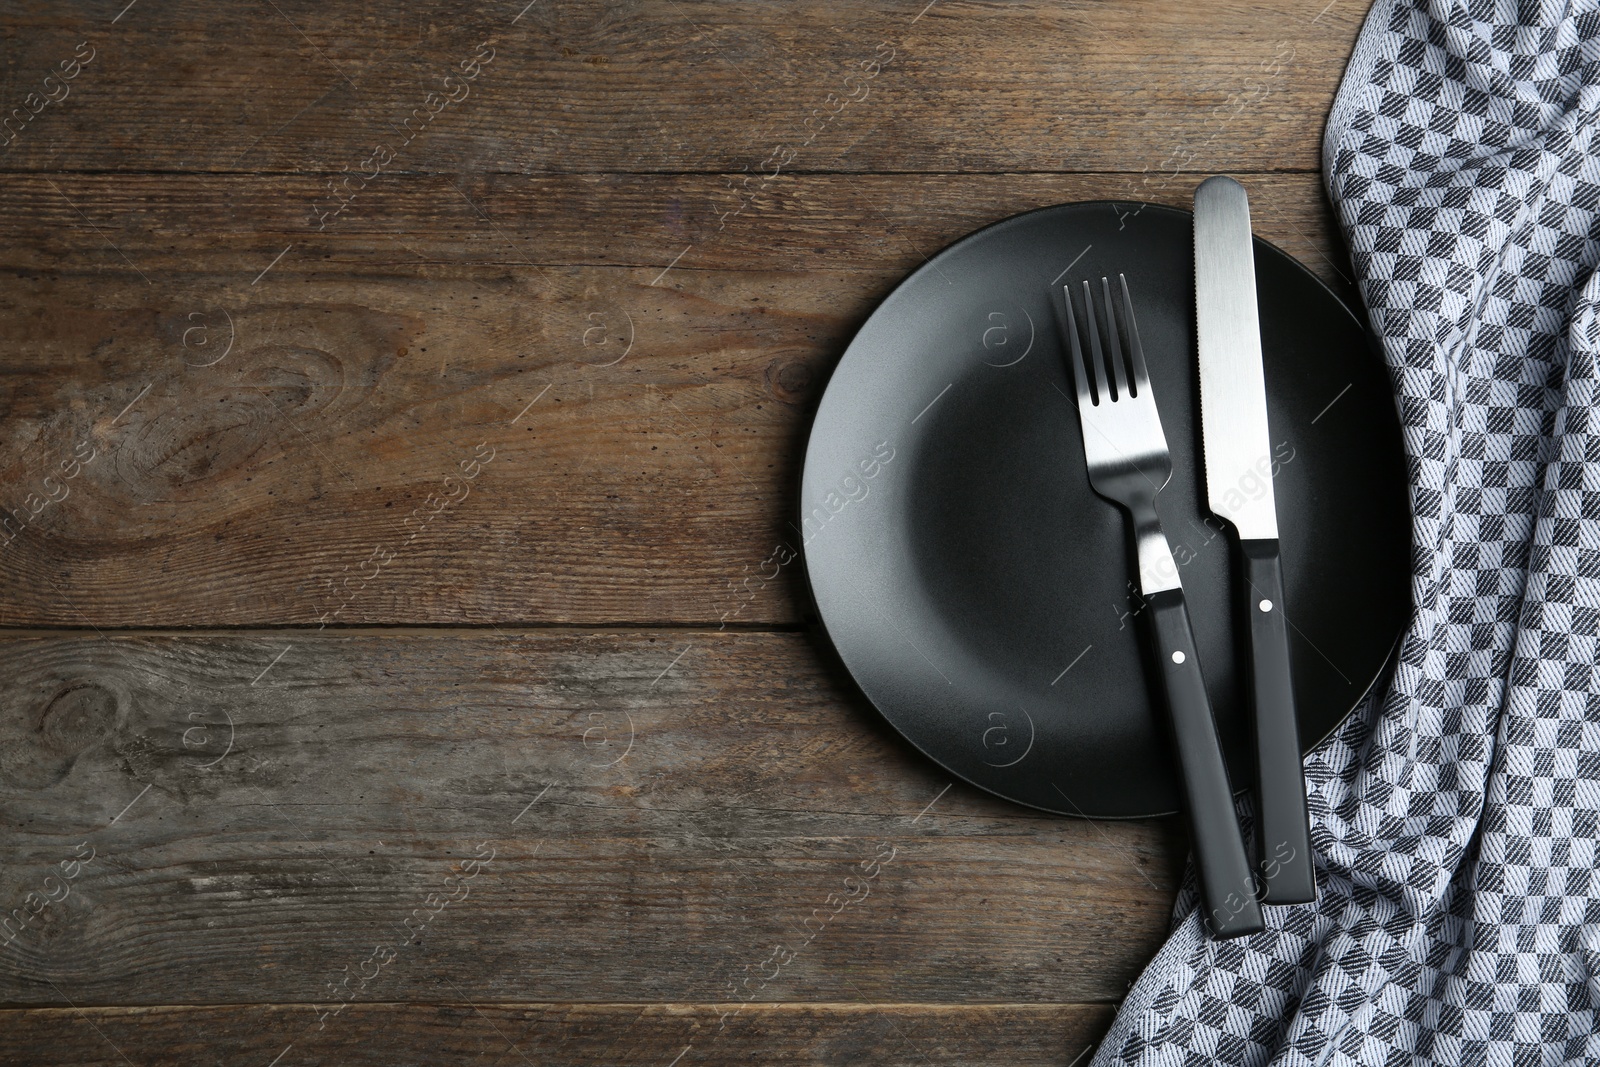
[[979, 591]]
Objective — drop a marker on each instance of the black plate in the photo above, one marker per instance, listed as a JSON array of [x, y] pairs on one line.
[[979, 592]]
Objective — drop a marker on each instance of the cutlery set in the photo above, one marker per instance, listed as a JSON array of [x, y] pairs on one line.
[[1128, 464]]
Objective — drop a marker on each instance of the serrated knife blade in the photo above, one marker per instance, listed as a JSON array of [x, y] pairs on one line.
[[1239, 466]]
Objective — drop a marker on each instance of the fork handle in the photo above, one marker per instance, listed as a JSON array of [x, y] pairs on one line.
[[1227, 890], [1283, 831]]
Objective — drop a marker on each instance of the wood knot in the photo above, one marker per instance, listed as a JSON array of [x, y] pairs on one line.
[[204, 439], [78, 716], [43, 750], [220, 424], [789, 379]]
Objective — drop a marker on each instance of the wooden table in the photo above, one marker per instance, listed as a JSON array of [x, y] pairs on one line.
[[403, 660]]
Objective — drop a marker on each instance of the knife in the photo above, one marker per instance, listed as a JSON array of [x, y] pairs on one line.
[[1238, 466]]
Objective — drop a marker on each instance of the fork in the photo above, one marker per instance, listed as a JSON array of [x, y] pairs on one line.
[[1129, 463]]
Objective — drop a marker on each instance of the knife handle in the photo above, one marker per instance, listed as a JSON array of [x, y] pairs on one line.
[[1227, 890], [1283, 831]]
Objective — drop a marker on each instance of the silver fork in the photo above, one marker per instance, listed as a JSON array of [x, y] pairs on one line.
[[1129, 463]]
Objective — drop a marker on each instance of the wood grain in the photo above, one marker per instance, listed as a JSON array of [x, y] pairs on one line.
[[663, 810], [558, 1035], [406, 224], [342, 547], [253, 484], [676, 85]]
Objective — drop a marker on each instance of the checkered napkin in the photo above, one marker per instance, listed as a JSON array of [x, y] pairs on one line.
[[1455, 817]]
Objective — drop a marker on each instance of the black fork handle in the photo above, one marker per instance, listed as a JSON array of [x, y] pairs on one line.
[[1229, 904]]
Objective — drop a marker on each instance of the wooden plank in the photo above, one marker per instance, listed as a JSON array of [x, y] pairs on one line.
[[675, 816], [675, 85], [260, 442], [558, 1035], [407, 224]]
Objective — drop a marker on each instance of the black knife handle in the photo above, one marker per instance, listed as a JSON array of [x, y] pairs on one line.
[[1227, 890], [1283, 832]]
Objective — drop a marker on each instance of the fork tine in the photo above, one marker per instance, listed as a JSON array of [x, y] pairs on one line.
[[1102, 394], [1078, 374], [1141, 375], [1118, 368]]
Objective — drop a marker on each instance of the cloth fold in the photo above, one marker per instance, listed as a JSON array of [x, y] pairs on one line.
[[1455, 816]]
